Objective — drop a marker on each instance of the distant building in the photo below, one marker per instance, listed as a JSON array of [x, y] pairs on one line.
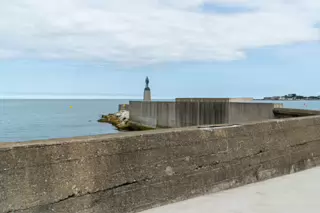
[[292, 96], [272, 98], [275, 98]]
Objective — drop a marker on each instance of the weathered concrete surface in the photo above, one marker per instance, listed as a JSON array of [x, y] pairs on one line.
[[184, 113], [153, 114], [129, 172], [248, 112], [295, 193], [201, 113]]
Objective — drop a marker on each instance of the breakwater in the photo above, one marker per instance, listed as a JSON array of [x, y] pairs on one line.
[[186, 112], [129, 172], [193, 112]]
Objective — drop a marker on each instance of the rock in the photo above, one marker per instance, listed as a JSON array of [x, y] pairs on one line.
[[121, 121], [119, 118], [132, 126]]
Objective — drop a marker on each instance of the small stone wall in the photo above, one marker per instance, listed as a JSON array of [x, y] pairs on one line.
[[123, 107]]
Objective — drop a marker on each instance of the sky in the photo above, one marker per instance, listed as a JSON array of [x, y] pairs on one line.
[[188, 48]]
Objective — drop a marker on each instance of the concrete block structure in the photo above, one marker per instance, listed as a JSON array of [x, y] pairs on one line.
[[153, 114], [247, 112], [201, 113], [214, 99], [134, 171], [195, 112]]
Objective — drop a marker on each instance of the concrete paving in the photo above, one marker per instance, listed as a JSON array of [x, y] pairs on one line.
[[296, 193]]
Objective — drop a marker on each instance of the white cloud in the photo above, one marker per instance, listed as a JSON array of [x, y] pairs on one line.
[[149, 31]]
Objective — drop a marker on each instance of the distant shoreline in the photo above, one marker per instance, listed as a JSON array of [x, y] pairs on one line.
[[284, 100]]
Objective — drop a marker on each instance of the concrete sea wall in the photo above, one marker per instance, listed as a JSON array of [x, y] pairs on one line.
[[192, 113], [214, 99], [201, 113], [153, 114], [247, 112], [129, 172]]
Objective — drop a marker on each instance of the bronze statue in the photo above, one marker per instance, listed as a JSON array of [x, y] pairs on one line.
[[147, 82]]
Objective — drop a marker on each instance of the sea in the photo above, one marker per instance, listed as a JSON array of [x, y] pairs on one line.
[[26, 120]]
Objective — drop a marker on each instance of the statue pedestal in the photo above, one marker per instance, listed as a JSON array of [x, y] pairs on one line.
[[147, 94], [147, 91]]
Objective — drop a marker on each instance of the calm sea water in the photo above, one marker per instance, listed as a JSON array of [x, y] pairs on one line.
[[24, 120], [312, 105]]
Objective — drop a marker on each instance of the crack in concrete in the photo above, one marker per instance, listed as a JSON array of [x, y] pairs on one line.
[[206, 165], [74, 195], [301, 144]]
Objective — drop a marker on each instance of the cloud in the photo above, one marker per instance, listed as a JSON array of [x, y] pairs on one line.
[[151, 31]]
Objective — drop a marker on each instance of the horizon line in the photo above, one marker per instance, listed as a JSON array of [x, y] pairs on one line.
[[79, 97]]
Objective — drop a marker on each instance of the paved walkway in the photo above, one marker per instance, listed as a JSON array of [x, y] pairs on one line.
[[296, 193]]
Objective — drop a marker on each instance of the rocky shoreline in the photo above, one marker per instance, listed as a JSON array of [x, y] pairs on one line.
[[121, 121]]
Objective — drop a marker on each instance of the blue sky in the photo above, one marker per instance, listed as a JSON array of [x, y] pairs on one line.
[[187, 48]]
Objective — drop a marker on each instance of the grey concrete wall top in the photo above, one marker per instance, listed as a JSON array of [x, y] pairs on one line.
[[214, 99], [129, 172], [241, 99], [202, 99]]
